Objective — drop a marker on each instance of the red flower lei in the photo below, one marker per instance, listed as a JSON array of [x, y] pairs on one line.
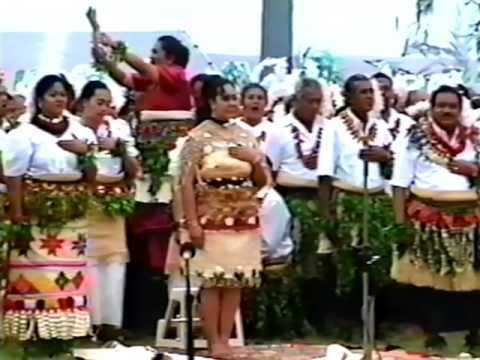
[[442, 147]]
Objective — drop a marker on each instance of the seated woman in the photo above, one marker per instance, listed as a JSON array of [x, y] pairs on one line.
[[439, 169], [221, 172], [47, 164], [113, 192]]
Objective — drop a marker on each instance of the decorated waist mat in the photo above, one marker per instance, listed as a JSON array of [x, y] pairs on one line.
[[55, 203], [161, 134], [117, 199], [447, 241], [227, 206], [155, 138]]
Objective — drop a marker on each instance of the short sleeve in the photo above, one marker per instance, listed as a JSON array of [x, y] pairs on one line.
[[328, 154], [140, 82], [17, 152]]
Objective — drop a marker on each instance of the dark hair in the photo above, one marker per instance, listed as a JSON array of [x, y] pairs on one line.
[[89, 89], [252, 86], [409, 99], [350, 86], [464, 91], [44, 85], [174, 48], [198, 78], [288, 104], [381, 75], [446, 89], [212, 87], [475, 102]]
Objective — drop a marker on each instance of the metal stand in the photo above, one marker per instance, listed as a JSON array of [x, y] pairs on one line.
[[368, 305]]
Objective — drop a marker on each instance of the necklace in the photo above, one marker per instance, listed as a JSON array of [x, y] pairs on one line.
[[310, 159], [434, 147], [356, 133], [395, 129]]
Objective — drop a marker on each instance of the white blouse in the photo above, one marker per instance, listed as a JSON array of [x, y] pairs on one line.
[[413, 169], [31, 151], [263, 132], [339, 152], [108, 166], [281, 147]]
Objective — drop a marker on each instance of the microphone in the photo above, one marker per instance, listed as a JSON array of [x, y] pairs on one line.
[[187, 250]]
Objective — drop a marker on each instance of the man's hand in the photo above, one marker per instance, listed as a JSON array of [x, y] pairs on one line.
[[310, 161], [375, 154], [464, 168]]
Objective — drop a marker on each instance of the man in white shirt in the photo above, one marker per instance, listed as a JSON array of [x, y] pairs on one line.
[[353, 154], [434, 180], [293, 151], [352, 140], [398, 124]]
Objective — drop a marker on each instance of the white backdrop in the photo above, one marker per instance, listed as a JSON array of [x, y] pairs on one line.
[[218, 26]]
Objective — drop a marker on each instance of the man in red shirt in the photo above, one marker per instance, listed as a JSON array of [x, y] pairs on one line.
[[162, 84]]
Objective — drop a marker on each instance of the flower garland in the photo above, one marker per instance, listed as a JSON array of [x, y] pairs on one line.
[[433, 147], [356, 133], [298, 147], [154, 141], [116, 200], [55, 204]]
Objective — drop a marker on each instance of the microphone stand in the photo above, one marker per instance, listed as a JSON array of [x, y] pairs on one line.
[[187, 251], [368, 301]]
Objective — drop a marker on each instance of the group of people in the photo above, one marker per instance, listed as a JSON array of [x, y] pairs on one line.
[[200, 162]]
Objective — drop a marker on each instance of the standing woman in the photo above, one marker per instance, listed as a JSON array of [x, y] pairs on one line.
[[221, 172], [47, 164], [117, 167], [275, 218]]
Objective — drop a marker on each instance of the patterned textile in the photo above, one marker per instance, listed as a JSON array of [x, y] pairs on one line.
[[156, 135], [444, 253], [107, 239], [46, 294], [227, 207]]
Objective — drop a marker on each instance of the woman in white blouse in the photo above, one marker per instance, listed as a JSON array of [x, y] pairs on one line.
[[275, 218], [439, 168], [47, 165], [117, 167]]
